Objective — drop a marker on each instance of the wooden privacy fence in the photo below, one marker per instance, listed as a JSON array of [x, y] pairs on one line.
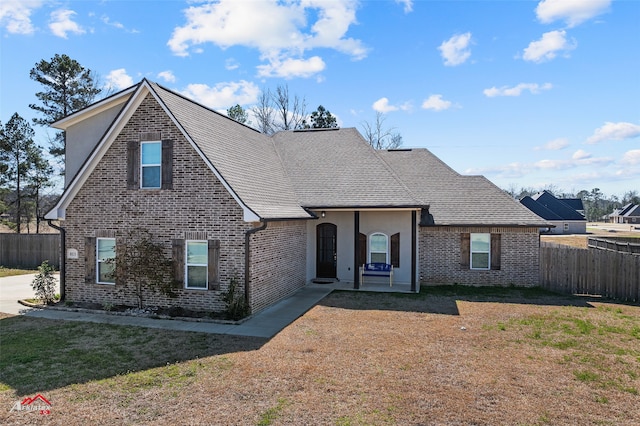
[[590, 271], [621, 245], [29, 250]]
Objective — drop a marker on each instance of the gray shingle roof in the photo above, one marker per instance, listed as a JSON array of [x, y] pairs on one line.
[[338, 168], [245, 158], [563, 210], [455, 199]]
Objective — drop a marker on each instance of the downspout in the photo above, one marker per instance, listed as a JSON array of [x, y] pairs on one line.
[[247, 257], [63, 251]]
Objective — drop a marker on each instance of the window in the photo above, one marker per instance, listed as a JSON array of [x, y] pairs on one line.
[[105, 255], [378, 248], [480, 251], [196, 264], [151, 165]]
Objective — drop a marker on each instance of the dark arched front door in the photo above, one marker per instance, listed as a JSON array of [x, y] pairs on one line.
[[326, 255]]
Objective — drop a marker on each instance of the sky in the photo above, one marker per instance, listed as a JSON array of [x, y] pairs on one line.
[[530, 94]]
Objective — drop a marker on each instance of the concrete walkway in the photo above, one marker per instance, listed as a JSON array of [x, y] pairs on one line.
[[266, 323]]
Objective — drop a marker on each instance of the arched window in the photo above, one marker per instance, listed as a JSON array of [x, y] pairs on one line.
[[378, 248]]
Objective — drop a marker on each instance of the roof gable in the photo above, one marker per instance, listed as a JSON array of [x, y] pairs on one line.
[[214, 146]]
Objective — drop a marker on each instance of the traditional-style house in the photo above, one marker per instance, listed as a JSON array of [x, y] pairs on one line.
[[629, 213], [274, 212], [561, 213]]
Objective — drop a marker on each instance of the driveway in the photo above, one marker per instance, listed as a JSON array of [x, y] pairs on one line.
[[16, 288]]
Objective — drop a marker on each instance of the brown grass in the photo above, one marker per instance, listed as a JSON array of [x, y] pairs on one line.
[[494, 357], [580, 240]]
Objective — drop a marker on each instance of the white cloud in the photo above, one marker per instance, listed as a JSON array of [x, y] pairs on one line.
[[167, 76], [289, 67], [573, 12], [516, 170], [554, 145], [118, 79], [631, 158], [223, 95], [281, 32], [455, 51], [548, 47], [383, 105], [231, 64], [580, 155], [108, 21], [61, 23], [533, 88], [15, 15], [408, 5], [614, 131], [436, 103]]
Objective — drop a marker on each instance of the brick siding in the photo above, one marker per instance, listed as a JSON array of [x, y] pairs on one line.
[[439, 257], [278, 262], [197, 206]]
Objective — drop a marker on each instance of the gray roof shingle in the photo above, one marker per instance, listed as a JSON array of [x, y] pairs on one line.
[[338, 168], [455, 199]]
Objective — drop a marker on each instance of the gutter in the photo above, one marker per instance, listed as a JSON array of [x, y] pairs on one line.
[[63, 251], [247, 257]]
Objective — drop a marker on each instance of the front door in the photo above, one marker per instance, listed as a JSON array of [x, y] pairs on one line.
[[326, 255]]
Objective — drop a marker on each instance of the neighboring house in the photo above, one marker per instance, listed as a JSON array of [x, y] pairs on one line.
[[275, 212], [564, 214], [629, 213]]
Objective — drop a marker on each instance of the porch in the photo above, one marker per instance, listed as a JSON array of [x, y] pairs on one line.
[[372, 286]]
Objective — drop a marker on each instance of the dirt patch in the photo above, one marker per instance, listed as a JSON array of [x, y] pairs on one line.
[[476, 357]]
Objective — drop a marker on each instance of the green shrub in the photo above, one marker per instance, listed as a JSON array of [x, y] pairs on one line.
[[44, 284], [236, 305]]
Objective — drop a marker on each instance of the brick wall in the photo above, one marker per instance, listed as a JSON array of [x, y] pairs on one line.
[[439, 254], [197, 207], [278, 262]]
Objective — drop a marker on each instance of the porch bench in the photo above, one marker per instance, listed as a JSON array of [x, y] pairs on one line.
[[376, 269]]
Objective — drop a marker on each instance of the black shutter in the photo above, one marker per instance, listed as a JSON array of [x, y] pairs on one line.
[[177, 248], [167, 164], [395, 250], [133, 165], [465, 251], [362, 252], [214, 256], [90, 260], [496, 249]]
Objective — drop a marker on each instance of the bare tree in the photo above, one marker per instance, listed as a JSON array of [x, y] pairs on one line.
[[291, 112], [379, 137], [264, 113]]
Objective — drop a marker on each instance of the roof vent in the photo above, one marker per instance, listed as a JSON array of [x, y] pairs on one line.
[[400, 150], [324, 129]]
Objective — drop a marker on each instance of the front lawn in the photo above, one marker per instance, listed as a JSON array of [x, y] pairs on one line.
[[445, 356]]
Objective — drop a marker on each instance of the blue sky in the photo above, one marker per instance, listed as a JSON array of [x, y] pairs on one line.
[[527, 93]]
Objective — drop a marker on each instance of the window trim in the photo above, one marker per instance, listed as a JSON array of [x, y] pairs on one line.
[[143, 166], [98, 261], [370, 252], [472, 251], [187, 264]]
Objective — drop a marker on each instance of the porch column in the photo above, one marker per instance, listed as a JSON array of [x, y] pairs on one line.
[[356, 249], [414, 249]]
